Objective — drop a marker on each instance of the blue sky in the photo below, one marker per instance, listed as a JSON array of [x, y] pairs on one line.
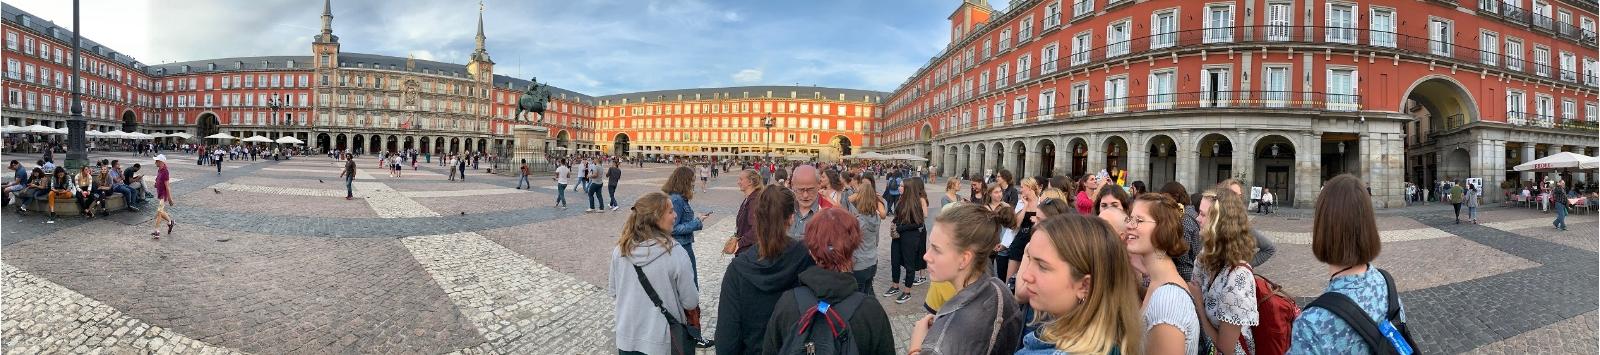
[[596, 47]]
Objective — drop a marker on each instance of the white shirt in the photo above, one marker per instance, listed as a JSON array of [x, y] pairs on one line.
[[561, 174]]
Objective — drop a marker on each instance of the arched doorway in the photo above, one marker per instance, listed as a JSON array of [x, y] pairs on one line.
[[438, 145], [1274, 166], [129, 122], [562, 143], [409, 143], [340, 142], [999, 158], [323, 141], [1047, 157], [466, 145], [980, 166], [1080, 157], [1216, 160], [1163, 166], [1020, 151], [843, 143], [358, 143], [455, 145], [1116, 151], [619, 147], [925, 142], [393, 144], [423, 144], [375, 144], [1442, 102], [207, 124], [483, 145]]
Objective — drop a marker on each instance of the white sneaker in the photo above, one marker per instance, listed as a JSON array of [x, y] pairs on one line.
[[614, 208], [589, 210]]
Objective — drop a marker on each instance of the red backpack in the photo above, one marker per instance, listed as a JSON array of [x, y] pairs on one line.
[[1277, 312]]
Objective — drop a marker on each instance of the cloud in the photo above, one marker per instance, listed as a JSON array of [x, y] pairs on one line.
[[747, 76]]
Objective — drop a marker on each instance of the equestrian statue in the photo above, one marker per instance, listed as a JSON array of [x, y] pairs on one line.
[[534, 99]]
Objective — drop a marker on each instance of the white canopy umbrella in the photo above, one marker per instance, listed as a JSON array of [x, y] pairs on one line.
[[1591, 163], [138, 136], [906, 157], [9, 128], [155, 135], [97, 134], [220, 136], [256, 139], [871, 156], [62, 130], [798, 157], [290, 140], [37, 128], [181, 135], [1557, 161]]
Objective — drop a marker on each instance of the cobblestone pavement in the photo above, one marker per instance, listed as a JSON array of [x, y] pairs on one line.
[[269, 258]]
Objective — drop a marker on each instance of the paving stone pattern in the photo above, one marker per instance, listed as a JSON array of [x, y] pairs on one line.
[[43, 317]]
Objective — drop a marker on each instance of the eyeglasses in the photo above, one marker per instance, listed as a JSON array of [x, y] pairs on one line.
[[1134, 222], [807, 190]]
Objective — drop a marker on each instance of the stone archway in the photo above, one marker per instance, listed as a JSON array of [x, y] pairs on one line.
[[998, 152], [374, 144], [981, 167], [438, 146], [341, 142], [393, 144], [1080, 157], [323, 142], [1275, 168], [358, 143], [620, 144], [843, 143], [455, 145], [1115, 149], [130, 123], [1047, 157], [1163, 163], [207, 124], [1447, 104], [1216, 160], [1020, 151]]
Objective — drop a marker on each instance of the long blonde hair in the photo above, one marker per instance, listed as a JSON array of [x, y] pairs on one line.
[[644, 224], [1109, 318], [1227, 236]]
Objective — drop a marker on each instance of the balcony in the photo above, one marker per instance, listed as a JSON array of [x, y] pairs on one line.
[[1231, 100]]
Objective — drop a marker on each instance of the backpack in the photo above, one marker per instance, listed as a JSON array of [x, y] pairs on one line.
[[1277, 312], [893, 187], [1347, 310], [822, 328]]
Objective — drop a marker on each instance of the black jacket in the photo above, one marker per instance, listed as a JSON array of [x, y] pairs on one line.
[[868, 325], [749, 290]]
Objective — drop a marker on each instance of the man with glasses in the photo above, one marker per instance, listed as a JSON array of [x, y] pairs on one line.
[[805, 183]]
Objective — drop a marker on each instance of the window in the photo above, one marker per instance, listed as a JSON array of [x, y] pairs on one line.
[[986, 45], [13, 69], [1544, 110], [1280, 21], [1219, 23], [999, 112], [1082, 7], [1275, 85], [1019, 109], [1048, 56], [1589, 69], [1341, 89], [1541, 14], [11, 40], [1215, 87], [1541, 61], [1025, 29], [1381, 32], [1005, 39], [1569, 110], [1587, 27], [1516, 105], [1590, 110], [1161, 87], [1569, 66], [1081, 44], [1116, 94], [1440, 36], [1047, 104], [1489, 44], [1117, 38], [1024, 67], [1163, 29], [1341, 23], [1052, 17], [1513, 54], [1080, 98], [27, 45], [1000, 75], [983, 82]]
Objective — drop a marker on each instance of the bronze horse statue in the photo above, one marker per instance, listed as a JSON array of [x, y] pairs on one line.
[[534, 99]]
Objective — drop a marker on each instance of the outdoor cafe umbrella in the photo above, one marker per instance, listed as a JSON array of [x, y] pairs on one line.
[[9, 129], [1558, 161], [1591, 163], [220, 136], [137, 136], [36, 128], [181, 135], [256, 139], [289, 140]]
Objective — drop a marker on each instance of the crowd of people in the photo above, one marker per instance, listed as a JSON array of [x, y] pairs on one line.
[[1036, 265], [89, 186]]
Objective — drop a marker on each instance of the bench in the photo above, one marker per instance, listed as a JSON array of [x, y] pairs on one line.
[[69, 206]]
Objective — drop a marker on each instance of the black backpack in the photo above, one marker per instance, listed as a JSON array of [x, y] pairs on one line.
[[1346, 309], [821, 329]]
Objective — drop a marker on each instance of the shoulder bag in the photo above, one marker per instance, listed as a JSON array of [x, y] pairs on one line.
[[677, 331]]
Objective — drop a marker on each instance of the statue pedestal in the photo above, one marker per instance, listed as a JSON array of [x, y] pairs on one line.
[[529, 141]]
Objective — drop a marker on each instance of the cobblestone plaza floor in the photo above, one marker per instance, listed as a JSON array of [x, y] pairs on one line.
[[269, 258]]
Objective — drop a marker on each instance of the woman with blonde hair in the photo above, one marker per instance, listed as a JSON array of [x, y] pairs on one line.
[[869, 211], [1077, 272], [644, 317], [952, 192], [1223, 286], [982, 317], [1027, 207]]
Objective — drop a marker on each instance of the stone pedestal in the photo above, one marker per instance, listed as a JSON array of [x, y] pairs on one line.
[[529, 143]]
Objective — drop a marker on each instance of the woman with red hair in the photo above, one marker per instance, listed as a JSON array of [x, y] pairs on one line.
[[829, 289]]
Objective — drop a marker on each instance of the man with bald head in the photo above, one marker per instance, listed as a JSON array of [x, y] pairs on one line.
[[805, 181]]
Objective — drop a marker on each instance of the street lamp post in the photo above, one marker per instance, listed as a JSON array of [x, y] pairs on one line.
[[768, 122], [77, 154]]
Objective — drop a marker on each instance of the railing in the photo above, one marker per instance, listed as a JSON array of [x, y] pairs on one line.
[[1248, 100]]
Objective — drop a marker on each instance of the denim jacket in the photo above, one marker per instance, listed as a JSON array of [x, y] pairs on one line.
[[687, 222]]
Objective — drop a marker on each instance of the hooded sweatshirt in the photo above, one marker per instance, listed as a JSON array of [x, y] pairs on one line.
[[868, 324], [640, 327], [749, 290]]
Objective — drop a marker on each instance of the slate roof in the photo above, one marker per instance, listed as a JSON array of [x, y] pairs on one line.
[[20, 18]]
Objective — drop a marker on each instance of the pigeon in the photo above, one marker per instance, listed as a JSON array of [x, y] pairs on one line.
[[319, 181], [463, 213], [219, 192]]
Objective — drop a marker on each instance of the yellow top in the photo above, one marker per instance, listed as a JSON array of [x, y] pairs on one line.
[[938, 293]]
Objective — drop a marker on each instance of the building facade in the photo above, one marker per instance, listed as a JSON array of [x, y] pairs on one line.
[[1283, 94], [821, 123]]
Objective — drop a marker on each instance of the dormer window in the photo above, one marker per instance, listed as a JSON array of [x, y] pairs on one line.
[[185, 68], [238, 65], [211, 66], [263, 65], [289, 64]]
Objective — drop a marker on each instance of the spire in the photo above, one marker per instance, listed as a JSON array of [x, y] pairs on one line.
[[327, 23], [481, 53]]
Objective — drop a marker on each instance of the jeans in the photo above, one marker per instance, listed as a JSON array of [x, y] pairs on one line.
[[612, 189], [87, 199], [1561, 216], [561, 194], [349, 187], [889, 202], [1457, 206], [523, 182], [1472, 213], [864, 279], [595, 200], [688, 244]]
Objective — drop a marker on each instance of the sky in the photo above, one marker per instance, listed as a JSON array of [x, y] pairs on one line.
[[596, 47]]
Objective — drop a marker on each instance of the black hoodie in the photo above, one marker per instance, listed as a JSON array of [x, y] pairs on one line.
[[749, 290], [869, 325]]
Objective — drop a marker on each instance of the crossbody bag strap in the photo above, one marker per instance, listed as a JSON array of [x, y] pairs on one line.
[[651, 291], [1346, 309], [1394, 297]]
